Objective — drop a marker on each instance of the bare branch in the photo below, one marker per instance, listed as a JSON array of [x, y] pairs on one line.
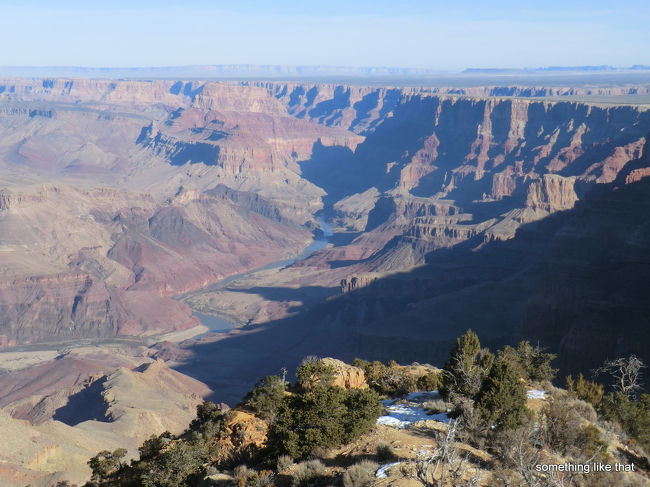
[[626, 373], [444, 466]]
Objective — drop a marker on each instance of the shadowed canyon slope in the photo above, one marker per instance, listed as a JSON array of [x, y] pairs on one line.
[[518, 211], [575, 282], [434, 172], [119, 195]]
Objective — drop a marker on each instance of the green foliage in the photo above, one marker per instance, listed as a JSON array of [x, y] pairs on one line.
[[389, 380], [360, 474], [152, 447], [590, 441], [363, 409], [305, 421], [164, 461], [314, 374], [585, 390], [266, 397], [208, 415], [179, 464], [106, 464], [360, 363], [467, 367], [501, 400], [326, 417], [633, 416], [535, 365], [428, 382]]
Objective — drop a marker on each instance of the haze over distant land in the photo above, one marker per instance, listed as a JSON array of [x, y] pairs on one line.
[[223, 71], [413, 33], [382, 75]]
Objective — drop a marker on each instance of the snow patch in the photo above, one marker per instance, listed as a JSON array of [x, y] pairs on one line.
[[381, 473], [402, 413], [536, 394], [422, 396]]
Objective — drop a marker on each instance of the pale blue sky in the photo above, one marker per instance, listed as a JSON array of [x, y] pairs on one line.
[[412, 33]]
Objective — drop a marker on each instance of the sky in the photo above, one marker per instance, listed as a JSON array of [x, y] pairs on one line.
[[431, 34]]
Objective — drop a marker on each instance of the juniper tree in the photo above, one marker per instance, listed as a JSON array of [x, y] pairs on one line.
[[502, 397], [467, 366], [266, 396]]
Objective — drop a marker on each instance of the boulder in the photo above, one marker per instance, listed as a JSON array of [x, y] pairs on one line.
[[347, 376]]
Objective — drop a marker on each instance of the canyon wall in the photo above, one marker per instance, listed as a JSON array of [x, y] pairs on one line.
[[476, 168], [102, 227], [158, 188]]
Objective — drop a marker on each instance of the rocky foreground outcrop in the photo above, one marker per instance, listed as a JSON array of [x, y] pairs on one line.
[[244, 435], [346, 376]]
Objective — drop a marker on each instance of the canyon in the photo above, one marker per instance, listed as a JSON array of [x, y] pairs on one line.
[[520, 211]]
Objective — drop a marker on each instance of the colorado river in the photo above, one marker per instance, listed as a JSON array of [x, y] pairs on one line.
[[219, 324]]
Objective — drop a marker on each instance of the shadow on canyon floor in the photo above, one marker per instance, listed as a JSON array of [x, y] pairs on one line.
[[86, 405], [576, 282], [307, 296]]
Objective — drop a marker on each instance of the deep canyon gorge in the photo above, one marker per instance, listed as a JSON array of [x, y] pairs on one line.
[[517, 211]]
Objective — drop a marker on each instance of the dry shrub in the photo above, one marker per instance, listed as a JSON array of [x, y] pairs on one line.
[[360, 474], [473, 428], [612, 428], [319, 453], [584, 409], [265, 478], [285, 462], [567, 427], [385, 451], [244, 476], [303, 472], [436, 406], [560, 425]]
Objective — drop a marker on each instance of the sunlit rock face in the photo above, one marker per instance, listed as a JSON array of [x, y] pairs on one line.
[[119, 195]]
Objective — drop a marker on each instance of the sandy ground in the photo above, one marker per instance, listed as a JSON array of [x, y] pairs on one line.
[[268, 294], [179, 336], [15, 361], [12, 361], [19, 360]]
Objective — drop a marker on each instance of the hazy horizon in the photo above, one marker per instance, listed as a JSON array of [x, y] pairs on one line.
[[466, 69], [412, 34]]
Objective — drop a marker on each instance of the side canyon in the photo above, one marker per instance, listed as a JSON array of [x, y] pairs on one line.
[[517, 211]]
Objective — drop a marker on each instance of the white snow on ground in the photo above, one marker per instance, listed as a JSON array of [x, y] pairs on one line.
[[536, 394], [422, 396], [403, 413], [381, 473]]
